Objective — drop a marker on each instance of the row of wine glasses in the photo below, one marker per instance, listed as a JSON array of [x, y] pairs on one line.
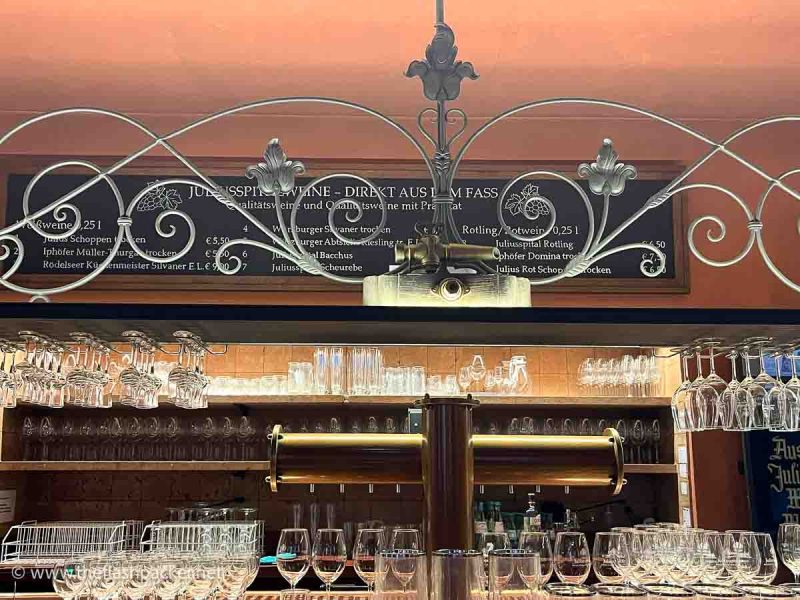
[[758, 401], [328, 554], [142, 438], [664, 552], [684, 556], [82, 373], [137, 575], [626, 376], [641, 437]]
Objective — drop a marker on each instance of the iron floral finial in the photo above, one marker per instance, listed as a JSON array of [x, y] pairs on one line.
[[275, 175], [606, 176], [440, 72]]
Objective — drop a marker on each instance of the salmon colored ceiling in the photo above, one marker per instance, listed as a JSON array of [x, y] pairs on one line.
[[692, 59]]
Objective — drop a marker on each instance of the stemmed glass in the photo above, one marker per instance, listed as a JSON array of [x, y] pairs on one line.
[[758, 387], [768, 565], [539, 542], [477, 368], [638, 438], [402, 563], [518, 374], [8, 383], [711, 411], [789, 547], [365, 549], [720, 567], [70, 578], [695, 405], [206, 576], [405, 539], [681, 396], [141, 576], [173, 574], [606, 546], [464, 378], [188, 383], [103, 579], [138, 384], [329, 556], [747, 555], [573, 561], [529, 569], [739, 404], [239, 571], [293, 555], [791, 391], [501, 569]]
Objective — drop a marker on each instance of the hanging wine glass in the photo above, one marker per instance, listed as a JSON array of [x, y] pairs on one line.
[[680, 397], [761, 385]]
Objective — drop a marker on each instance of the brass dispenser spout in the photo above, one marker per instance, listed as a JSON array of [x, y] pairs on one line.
[[429, 252]]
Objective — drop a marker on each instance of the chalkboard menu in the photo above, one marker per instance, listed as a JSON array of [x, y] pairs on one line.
[[409, 201], [773, 472]]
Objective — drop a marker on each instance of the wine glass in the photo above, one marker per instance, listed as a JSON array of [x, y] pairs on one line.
[[573, 560], [789, 547], [101, 576], [501, 569], [464, 378], [366, 547], [140, 576], [792, 392], [477, 367], [293, 555], [768, 568], [709, 395], [69, 578], [329, 556], [405, 539], [738, 402], [403, 564], [718, 550], [173, 574], [539, 542], [606, 545], [748, 556], [490, 540], [205, 577], [528, 566]]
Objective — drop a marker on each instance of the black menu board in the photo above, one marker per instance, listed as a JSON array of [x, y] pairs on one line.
[[408, 200]]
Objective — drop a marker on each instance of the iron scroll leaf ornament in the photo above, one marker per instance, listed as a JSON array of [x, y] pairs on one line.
[[440, 72], [441, 75]]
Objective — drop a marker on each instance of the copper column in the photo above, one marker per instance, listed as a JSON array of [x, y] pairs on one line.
[[447, 471]]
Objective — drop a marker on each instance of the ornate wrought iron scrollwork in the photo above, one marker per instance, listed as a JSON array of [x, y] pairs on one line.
[[606, 178], [440, 72], [441, 75], [276, 176]]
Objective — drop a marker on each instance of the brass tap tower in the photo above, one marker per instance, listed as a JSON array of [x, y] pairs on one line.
[[448, 459]]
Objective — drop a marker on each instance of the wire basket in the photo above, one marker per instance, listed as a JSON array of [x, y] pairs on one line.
[[46, 543], [229, 537]]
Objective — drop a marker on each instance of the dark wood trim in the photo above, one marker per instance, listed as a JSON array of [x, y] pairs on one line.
[[425, 326], [157, 165]]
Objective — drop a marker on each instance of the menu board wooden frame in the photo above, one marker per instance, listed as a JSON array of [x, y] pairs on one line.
[[163, 165]]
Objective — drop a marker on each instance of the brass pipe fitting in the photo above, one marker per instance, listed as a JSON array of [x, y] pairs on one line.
[[397, 458]]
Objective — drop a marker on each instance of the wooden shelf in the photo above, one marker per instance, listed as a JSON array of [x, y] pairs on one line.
[[218, 465], [139, 465], [644, 469], [486, 400]]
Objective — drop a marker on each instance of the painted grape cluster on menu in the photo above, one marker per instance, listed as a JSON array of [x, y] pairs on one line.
[[407, 201]]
